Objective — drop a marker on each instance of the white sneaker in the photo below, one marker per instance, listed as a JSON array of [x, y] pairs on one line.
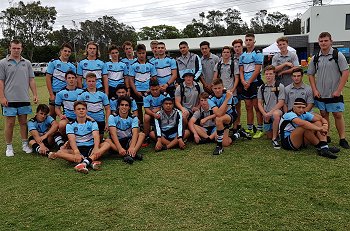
[[27, 149], [10, 153]]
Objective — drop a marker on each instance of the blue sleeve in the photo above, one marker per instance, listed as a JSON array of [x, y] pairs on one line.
[[94, 126], [211, 104], [131, 71], [153, 70], [105, 100], [308, 116], [146, 102], [104, 69], [31, 126], [135, 122], [69, 129], [173, 65], [111, 121], [50, 68], [49, 120], [113, 104], [258, 58], [80, 69], [133, 106], [125, 68], [58, 100], [290, 116]]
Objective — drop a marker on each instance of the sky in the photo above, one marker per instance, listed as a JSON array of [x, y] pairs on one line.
[[179, 13]]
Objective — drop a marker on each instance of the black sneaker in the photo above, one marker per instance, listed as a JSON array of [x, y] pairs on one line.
[[138, 156], [334, 149], [275, 144], [326, 153], [329, 139], [218, 150], [344, 144], [235, 136], [244, 134], [128, 159]]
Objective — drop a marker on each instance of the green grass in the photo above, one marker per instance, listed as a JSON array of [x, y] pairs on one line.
[[250, 186]]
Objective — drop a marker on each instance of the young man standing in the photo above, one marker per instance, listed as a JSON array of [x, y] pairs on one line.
[[250, 63], [208, 61], [125, 136], [188, 63], [298, 128], [270, 101], [284, 62], [116, 71], [55, 74], [154, 47], [237, 45], [94, 65], [140, 74], [16, 77], [84, 142], [328, 76], [298, 89], [166, 70]]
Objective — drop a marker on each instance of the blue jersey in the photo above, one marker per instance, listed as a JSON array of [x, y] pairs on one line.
[[96, 101], [83, 132], [95, 66], [66, 98], [286, 123], [41, 127], [164, 68], [248, 61], [58, 70], [124, 126], [128, 62], [142, 74], [114, 104], [116, 72], [217, 102], [152, 102]]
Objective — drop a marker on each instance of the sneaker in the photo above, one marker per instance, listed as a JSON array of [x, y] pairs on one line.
[[51, 155], [325, 152], [10, 152], [218, 150], [258, 134], [235, 136], [96, 165], [334, 149], [244, 134], [27, 149], [344, 144], [138, 156], [128, 159], [250, 131], [81, 168], [145, 143], [275, 144], [329, 139]]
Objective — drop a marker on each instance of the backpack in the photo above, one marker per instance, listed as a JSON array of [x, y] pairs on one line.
[[334, 56], [232, 68], [182, 90], [211, 112], [262, 89]]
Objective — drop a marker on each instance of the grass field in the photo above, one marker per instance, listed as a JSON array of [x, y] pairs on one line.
[[250, 186]]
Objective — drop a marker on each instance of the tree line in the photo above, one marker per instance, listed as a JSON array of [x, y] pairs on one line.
[[33, 24]]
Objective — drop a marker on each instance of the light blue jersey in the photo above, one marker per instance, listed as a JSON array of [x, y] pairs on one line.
[[58, 70], [286, 124], [96, 102], [83, 132], [164, 68], [41, 127], [124, 126], [128, 62], [95, 66], [152, 102], [248, 61], [66, 98], [116, 72], [217, 102], [142, 74], [114, 104]]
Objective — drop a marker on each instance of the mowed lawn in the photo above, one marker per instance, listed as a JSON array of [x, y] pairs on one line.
[[250, 186]]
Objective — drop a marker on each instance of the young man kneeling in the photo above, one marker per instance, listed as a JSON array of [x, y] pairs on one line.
[[84, 141], [125, 136], [298, 128], [169, 129]]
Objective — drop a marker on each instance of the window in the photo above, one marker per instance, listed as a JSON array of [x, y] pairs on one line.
[[308, 25], [347, 22]]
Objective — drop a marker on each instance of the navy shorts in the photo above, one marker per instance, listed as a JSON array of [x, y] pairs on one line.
[[287, 144], [101, 126], [125, 142], [85, 150]]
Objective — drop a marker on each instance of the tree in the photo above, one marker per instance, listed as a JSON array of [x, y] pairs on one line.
[[195, 29], [214, 19], [234, 22], [257, 23], [30, 22], [64, 35], [293, 27], [159, 32], [275, 22]]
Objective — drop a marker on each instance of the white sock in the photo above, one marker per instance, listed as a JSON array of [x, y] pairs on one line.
[[24, 142], [9, 147]]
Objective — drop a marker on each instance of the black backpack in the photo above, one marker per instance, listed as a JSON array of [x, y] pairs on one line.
[[262, 89], [232, 67], [334, 56], [182, 90]]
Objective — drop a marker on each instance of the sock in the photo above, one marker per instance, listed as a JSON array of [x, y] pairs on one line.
[[322, 145], [58, 140], [9, 146], [237, 135], [87, 161], [220, 136], [24, 142], [250, 126], [239, 126], [36, 147], [260, 127]]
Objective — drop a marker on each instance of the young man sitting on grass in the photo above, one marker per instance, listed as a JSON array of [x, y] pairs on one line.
[[169, 129], [84, 141], [121, 90], [152, 102], [298, 128], [223, 107], [202, 123], [270, 102], [44, 131], [125, 135]]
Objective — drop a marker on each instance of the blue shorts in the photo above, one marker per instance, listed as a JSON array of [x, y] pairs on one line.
[[268, 125], [235, 100], [15, 111], [330, 107]]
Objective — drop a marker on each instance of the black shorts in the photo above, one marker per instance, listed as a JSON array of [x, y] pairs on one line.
[[101, 126], [171, 91], [233, 117], [111, 92], [125, 142], [138, 100], [210, 130], [18, 104], [45, 142], [251, 92], [287, 144], [85, 150]]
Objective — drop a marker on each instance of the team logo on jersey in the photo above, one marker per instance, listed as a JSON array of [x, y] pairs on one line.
[[99, 65], [303, 93], [89, 127], [58, 65], [110, 66], [137, 68], [75, 129], [118, 123], [85, 64], [147, 68], [155, 63], [87, 97], [65, 95], [167, 62]]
